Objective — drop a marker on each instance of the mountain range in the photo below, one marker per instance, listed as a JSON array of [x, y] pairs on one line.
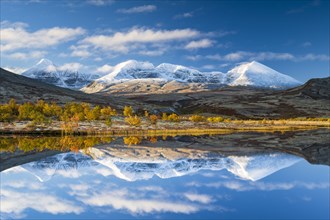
[[138, 76], [308, 100]]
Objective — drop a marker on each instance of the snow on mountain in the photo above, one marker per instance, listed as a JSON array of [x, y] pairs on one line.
[[48, 72], [130, 69], [258, 75], [133, 69], [248, 74], [135, 167]]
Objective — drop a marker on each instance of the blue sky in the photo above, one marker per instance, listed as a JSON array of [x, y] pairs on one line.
[[291, 37]]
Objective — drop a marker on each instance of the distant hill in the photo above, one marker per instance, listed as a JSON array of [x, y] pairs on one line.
[[314, 88], [309, 100]]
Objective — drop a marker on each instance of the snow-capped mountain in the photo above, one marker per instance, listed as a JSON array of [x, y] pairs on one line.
[[164, 76], [132, 72], [133, 69], [258, 75], [133, 167], [47, 72]]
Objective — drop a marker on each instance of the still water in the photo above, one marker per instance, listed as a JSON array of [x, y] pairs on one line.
[[182, 177]]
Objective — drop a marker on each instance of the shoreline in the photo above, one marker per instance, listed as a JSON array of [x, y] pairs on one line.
[[175, 128]]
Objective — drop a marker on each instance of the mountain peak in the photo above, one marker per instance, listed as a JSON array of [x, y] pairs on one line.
[[45, 62], [46, 71], [259, 75]]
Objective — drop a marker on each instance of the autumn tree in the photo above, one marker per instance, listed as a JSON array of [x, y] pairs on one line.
[[6, 113], [197, 118], [107, 112], [128, 111], [25, 110], [132, 140], [134, 121], [215, 119], [13, 107], [164, 116], [174, 117], [146, 114], [153, 119], [108, 122]]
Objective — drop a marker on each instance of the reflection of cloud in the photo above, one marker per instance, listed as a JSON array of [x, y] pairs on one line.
[[119, 199], [104, 171], [17, 202], [202, 198], [73, 174], [18, 184], [312, 186], [152, 189], [306, 198], [262, 186]]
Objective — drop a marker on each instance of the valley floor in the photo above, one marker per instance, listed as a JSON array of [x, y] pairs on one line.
[[119, 126]]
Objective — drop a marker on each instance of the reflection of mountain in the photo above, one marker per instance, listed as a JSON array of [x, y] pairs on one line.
[[135, 164], [45, 168]]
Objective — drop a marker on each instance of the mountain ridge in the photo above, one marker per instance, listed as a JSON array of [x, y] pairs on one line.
[[251, 74]]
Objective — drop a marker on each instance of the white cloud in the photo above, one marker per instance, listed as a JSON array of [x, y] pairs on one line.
[[236, 56], [152, 53], [261, 56], [7, 24], [100, 2], [202, 198], [184, 15], [123, 42], [245, 55], [105, 69], [314, 57], [194, 57], [80, 51], [204, 43], [138, 9], [272, 56], [208, 67], [15, 36], [26, 56], [71, 66], [307, 44]]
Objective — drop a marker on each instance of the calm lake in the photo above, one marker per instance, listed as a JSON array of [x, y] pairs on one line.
[[279, 175]]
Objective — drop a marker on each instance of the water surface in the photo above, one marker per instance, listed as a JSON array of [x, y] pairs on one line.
[[166, 178]]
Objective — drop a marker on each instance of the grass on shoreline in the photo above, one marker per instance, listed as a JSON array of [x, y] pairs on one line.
[[118, 127]]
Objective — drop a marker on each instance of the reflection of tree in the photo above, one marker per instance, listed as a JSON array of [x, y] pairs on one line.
[[132, 140], [153, 139], [65, 143]]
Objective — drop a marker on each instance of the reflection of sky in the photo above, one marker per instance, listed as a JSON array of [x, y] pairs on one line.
[[300, 191]]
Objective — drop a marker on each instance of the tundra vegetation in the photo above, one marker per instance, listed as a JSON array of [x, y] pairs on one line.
[[70, 116]]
